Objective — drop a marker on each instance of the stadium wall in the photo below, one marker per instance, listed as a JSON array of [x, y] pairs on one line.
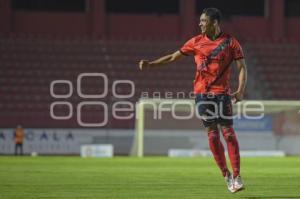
[[144, 26], [293, 30], [47, 23], [97, 23], [156, 142]]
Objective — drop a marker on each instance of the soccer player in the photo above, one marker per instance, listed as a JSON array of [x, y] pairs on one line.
[[214, 51]]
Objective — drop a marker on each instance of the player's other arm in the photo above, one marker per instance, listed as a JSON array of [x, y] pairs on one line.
[[144, 64], [242, 71]]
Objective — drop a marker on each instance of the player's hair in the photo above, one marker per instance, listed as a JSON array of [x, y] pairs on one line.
[[213, 14]]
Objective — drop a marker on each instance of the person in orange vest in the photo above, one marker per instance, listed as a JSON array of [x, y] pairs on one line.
[[19, 138]]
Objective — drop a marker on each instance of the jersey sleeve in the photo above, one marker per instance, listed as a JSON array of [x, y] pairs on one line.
[[237, 50], [188, 47]]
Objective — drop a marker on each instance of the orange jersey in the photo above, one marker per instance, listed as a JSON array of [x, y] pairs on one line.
[[201, 47], [19, 136]]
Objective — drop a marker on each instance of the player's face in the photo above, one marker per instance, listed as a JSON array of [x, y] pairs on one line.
[[205, 24]]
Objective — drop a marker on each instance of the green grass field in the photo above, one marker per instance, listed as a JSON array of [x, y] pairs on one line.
[[133, 178]]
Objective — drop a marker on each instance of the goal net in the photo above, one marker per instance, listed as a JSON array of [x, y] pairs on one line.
[[163, 126]]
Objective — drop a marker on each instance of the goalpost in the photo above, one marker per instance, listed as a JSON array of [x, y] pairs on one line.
[[158, 107]]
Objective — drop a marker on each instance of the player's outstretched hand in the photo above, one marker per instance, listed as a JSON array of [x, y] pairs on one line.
[[143, 64], [237, 96]]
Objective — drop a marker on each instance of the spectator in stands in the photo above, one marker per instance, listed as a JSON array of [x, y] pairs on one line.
[[19, 138]]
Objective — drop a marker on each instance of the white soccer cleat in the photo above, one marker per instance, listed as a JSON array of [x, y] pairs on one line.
[[238, 184], [229, 182]]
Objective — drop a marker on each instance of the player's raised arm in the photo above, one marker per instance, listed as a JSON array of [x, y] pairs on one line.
[[242, 68], [144, 64]]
